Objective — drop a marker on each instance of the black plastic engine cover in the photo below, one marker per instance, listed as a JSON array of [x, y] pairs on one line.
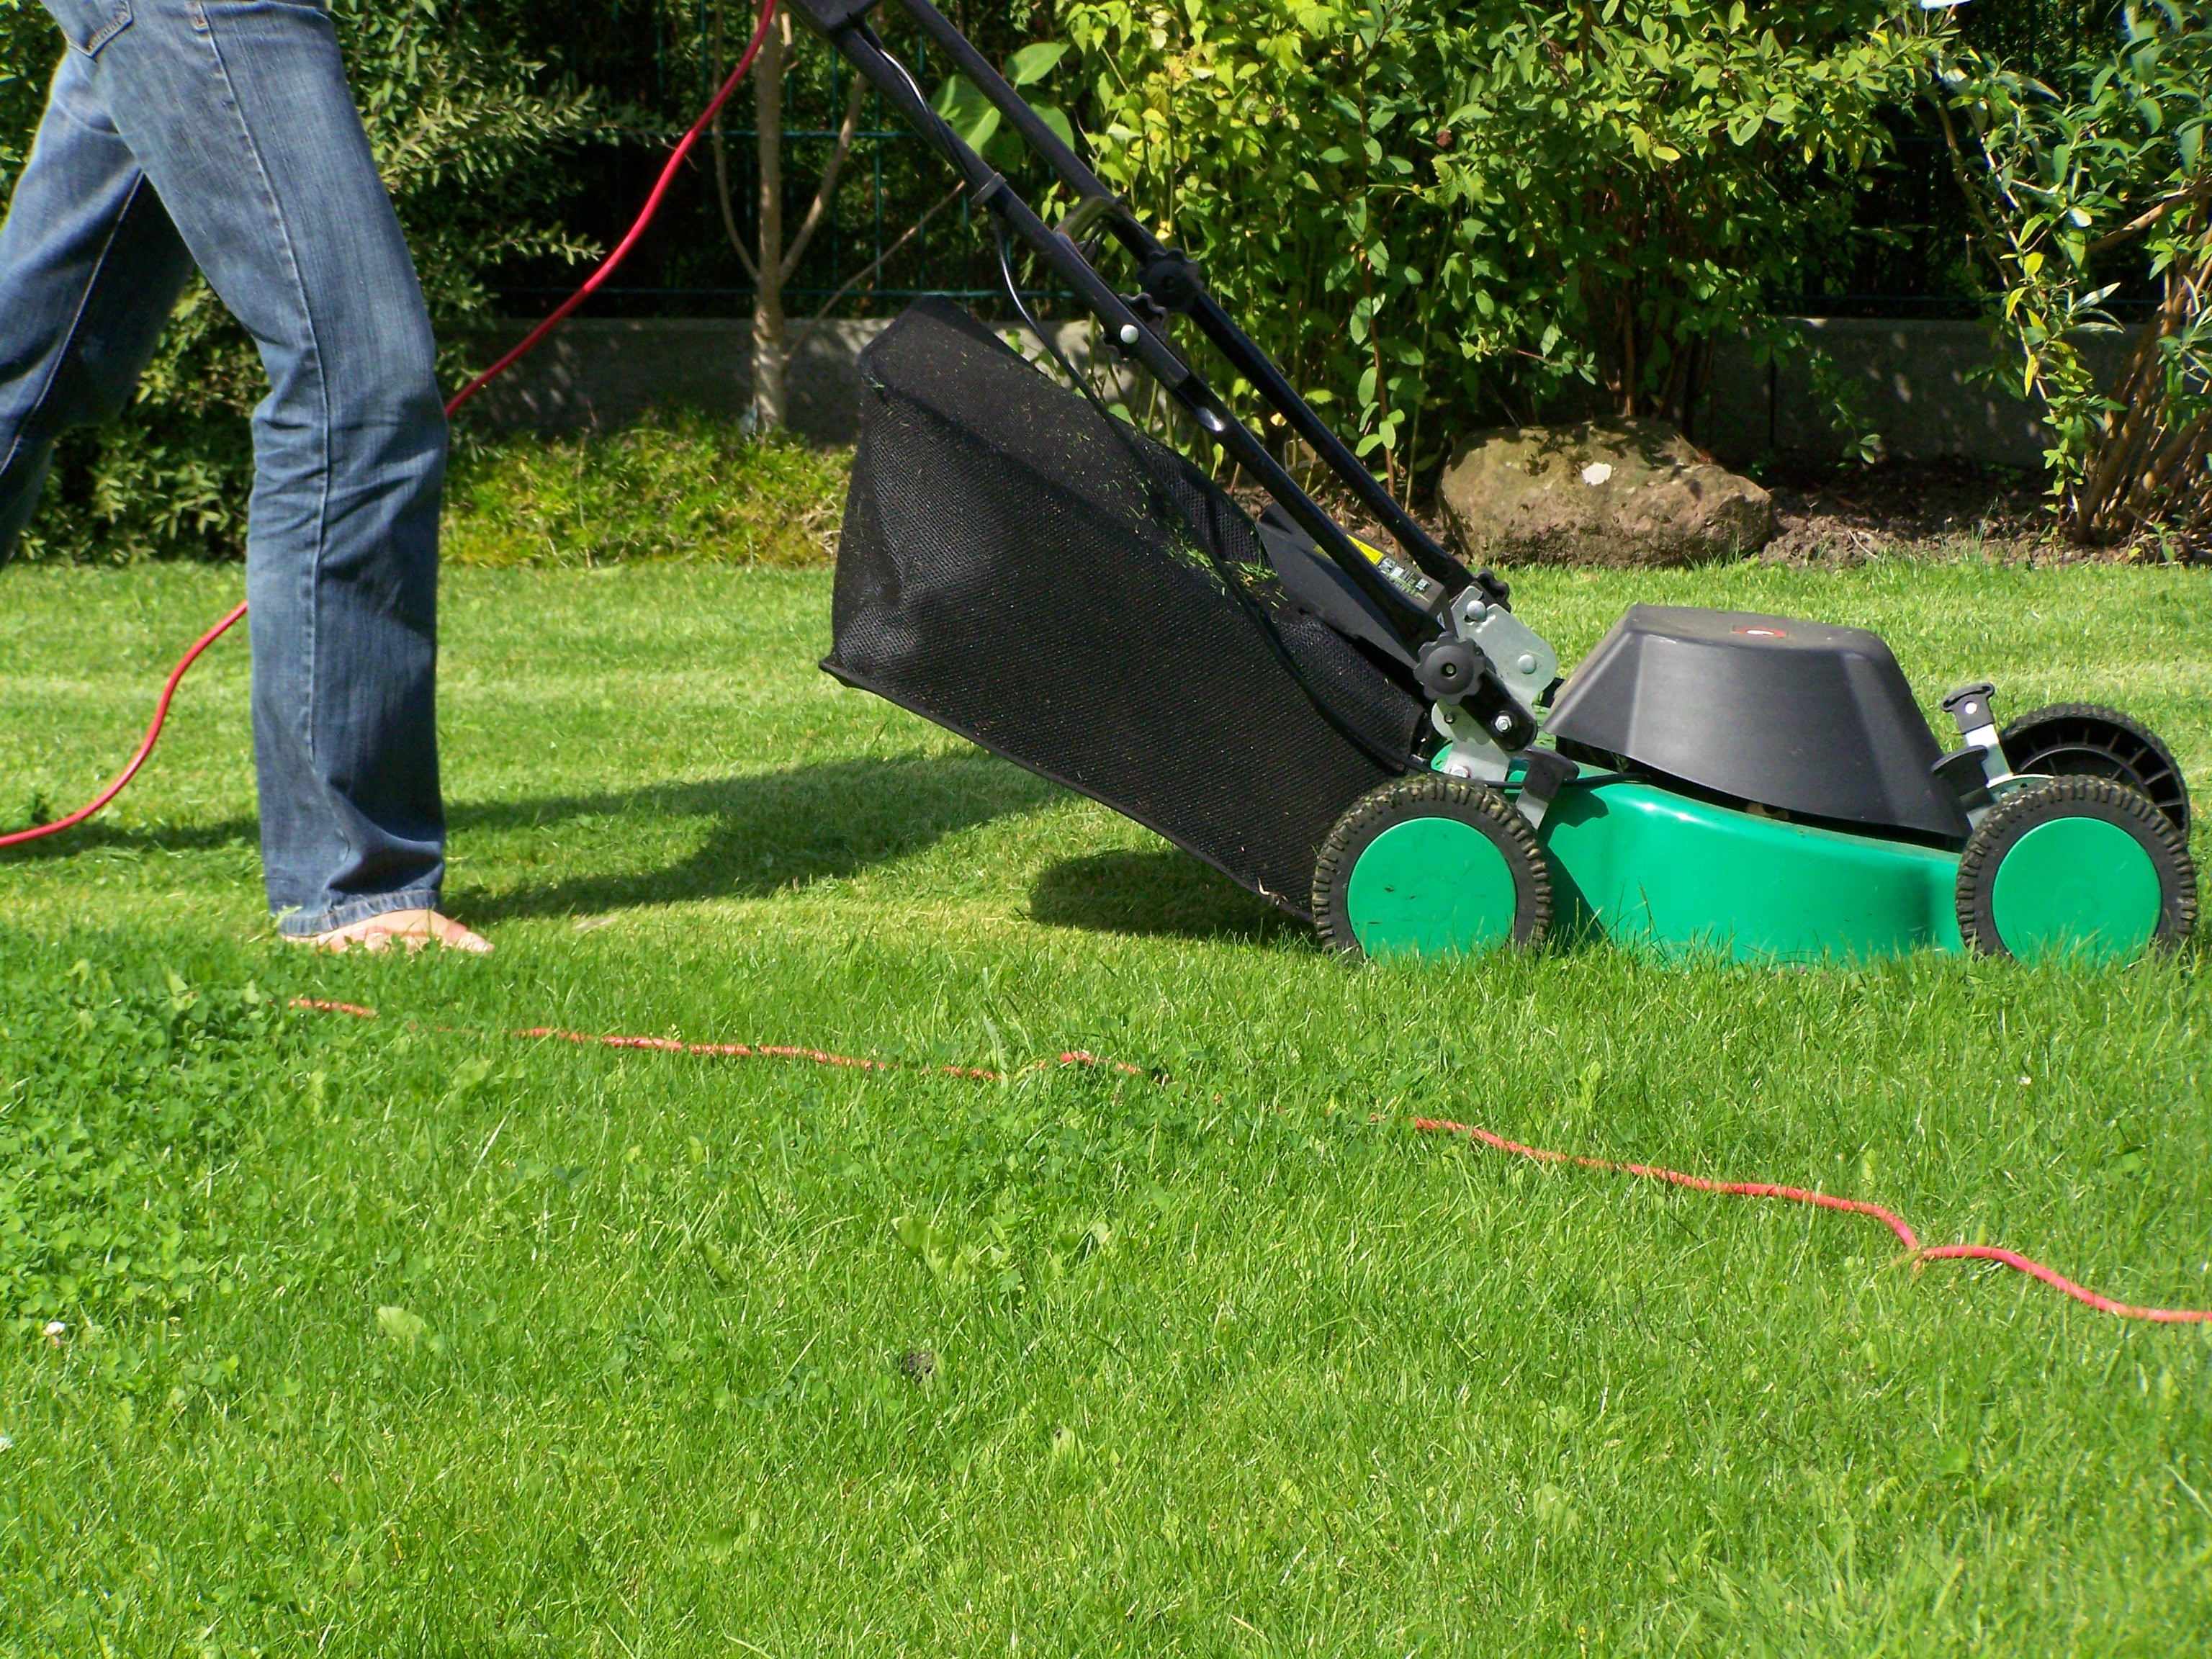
[[1813, 719]]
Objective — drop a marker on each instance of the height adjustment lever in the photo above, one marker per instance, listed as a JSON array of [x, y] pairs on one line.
[[1456, 671], [1172, 280], [1975, 770], [1969, 706]]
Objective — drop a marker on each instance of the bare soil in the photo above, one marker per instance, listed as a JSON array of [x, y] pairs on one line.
[[1839, 516], [1833, 516]]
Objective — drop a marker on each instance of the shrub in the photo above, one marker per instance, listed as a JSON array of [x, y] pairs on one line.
[[1451, 211], [2081, 189], [27, 38]]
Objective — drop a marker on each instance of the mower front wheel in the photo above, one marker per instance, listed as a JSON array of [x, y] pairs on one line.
[[1430, 866], [2075, 863]]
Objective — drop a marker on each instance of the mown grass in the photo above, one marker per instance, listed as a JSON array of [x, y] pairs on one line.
[[385, 1337]]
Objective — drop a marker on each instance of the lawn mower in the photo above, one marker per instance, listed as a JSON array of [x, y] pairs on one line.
[[1376, 740]]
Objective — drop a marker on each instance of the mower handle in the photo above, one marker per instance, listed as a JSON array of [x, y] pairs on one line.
[[843, 24], [1412, 622], [1242, 352]]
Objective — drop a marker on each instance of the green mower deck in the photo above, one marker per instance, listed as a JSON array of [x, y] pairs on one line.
[[1657, 870]]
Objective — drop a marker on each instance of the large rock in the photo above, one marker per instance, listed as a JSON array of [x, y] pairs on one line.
[[1603, 493]]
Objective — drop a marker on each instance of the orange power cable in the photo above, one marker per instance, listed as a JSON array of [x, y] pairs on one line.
[[1917, 1252]]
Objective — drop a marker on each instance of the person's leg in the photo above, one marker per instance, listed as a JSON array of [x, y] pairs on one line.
[[90, 267], [240, 113]]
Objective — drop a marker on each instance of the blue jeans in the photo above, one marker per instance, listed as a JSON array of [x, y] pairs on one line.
[[222, 133]]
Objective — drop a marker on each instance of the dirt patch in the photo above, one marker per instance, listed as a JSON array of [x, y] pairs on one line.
[[1912, 509], [1837, 517]]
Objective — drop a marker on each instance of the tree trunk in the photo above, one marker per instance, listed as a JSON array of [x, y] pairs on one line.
[[768, 289], [2145, 468]]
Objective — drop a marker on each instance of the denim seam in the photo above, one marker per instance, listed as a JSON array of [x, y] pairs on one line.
[[313, 607], [99, 37], [77, 323], [295, 926]]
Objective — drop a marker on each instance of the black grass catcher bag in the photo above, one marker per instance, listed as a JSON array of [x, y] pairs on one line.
[[1051, 585]]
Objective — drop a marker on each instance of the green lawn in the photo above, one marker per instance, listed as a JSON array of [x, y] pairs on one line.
[[387, 1338]]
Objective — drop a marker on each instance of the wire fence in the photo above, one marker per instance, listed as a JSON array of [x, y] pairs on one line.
[[896, 229]]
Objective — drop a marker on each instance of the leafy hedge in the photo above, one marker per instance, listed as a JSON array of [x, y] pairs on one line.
[[1474, 208], [1436, 216], [2100, 174]]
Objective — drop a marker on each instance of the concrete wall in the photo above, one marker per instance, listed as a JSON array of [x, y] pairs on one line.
[[1917, 385], [1915, 378], [598, 373]]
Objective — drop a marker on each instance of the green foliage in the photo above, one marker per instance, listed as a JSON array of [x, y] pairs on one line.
[[466, 130], [113, 1098], [1446, 211], [468, 133], [27, 53], [2079, 186], [686, 489], [976, 120]]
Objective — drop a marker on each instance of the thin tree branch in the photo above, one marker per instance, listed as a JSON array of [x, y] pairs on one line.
[[2141, 416], [2143, 221], [815, 213], [1992, 241], [857, 278], [722, 168]]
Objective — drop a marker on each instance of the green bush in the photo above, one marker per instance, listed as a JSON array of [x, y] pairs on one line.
[[685, 489], [26, 40], [466, 130], [1452, 212], [2099, 180]]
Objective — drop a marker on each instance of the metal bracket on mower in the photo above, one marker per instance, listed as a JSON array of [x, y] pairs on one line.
[[1523, 658], [1977, 772], [1549, 771], [1493, 669], [1460, 676]]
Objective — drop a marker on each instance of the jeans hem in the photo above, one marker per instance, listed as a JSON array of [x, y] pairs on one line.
[[299, 924]]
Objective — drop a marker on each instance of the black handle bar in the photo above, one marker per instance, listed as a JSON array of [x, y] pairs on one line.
[[843, 24]]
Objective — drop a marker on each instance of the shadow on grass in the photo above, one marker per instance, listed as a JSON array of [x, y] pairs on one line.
[[100, 835], [1161, 892], [771, 830]]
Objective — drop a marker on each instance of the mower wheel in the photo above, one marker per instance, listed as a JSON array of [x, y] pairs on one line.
[[1430, 865], [2075, 740], [2075, 863]]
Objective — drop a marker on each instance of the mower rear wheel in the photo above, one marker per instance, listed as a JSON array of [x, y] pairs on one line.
[[2076, 863], [2086, 740], [1431, 865]]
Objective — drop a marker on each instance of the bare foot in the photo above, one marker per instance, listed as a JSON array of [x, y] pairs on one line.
[[412, 928]]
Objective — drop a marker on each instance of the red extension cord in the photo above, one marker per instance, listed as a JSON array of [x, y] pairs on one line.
[[1915, 1253], [530, 344]]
